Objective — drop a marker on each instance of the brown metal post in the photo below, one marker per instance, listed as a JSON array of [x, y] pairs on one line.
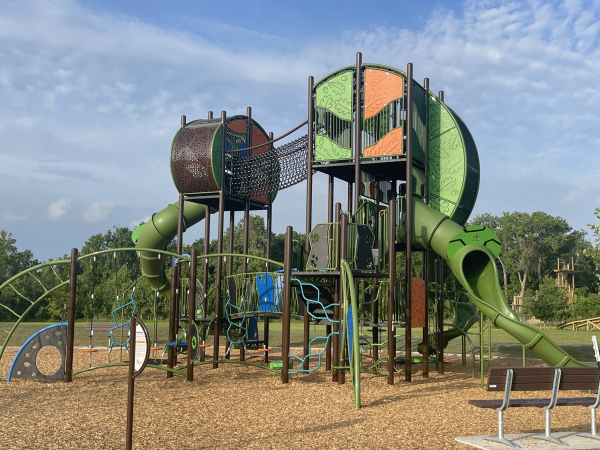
[[328, 328], [205, 272], [343, 256], [350, 198], [426, 259], [441, 96], [391, 289], [172, 317], [191, 313], [229, 272], [357, 131], [268, 256], [210, 114], [309, 186], [219, 290], [183, 121], [247, 206], [337, 295], [287, 300], [71, 317], [131, 385], [440, 311], [409, 221]]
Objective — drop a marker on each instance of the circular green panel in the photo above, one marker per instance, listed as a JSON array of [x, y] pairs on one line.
[[475, 234], [453, 163]]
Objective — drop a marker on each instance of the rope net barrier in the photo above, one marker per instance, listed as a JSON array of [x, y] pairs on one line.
[[270, 171]]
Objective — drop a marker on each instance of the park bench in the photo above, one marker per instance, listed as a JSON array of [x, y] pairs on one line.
[[553, 379]]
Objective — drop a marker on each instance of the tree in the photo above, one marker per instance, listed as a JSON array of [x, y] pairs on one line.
[[549, 304]]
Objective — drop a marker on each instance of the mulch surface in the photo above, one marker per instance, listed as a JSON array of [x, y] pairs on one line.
[[245, 407]]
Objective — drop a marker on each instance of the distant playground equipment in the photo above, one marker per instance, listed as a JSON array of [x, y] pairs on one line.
[[590, 324], [412, 173]]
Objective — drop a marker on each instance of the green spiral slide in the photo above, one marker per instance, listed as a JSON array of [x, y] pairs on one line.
[[157, 233], [474, 266]]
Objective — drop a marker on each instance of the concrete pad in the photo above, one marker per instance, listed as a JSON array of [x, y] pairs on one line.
[[525, 442]]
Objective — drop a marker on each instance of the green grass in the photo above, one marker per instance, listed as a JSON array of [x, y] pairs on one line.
[[576, 343]]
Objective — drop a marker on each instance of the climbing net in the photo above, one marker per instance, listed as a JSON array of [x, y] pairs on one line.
[[270, 171]]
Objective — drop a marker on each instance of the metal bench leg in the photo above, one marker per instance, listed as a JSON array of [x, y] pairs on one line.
[[547, 436], [501, 439], [593, 434]]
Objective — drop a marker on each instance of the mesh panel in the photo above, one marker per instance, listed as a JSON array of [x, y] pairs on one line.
[[191, 158], [271, 171]]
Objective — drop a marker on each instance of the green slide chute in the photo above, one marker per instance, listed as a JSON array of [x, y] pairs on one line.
[[475, 268], [157, 233]]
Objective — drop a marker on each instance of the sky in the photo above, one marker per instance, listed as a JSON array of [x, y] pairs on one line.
[[91, 95]]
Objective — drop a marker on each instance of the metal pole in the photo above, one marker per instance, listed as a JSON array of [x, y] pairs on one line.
[[328, 329], [440, 311], [350, 197], [409, 220], [309, 186], [343, 256], [230, 273], [210, 114], [219, 290], [247, 206], [71, 317], [426, 252], [268, 256], [191, 313], [172, 318], [357, 131], [287, 299], [183, 121], [337, 296], [441, 96], [131, 385], [391, 289], [205, 273]]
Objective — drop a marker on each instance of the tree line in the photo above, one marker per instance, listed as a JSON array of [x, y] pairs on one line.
[[531, 246]]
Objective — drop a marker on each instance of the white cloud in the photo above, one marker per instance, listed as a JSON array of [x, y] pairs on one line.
[[11, 217], [59, 208], [98, 211]]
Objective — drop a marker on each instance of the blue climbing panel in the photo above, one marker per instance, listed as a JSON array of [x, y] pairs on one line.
[[269, 293]]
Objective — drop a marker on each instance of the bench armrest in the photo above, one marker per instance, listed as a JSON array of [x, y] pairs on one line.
[[507, 389]]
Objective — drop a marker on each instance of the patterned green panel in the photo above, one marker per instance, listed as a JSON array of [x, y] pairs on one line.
[[327, 150], [453, 163], [335, 95], [446, 159]]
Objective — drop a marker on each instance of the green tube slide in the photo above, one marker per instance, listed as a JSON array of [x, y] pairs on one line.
[[157, 233], [475, 268]]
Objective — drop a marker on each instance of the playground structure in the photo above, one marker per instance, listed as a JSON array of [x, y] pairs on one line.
[[412, 173]]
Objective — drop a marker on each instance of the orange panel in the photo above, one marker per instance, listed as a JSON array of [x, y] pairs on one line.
[[390, 144], [238, 125], [381, 88], [417, 313]]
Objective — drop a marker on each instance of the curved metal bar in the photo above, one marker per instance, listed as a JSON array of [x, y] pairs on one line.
[[32, 269], [245, 363], [103, 366], [270, 142], [44, 295]]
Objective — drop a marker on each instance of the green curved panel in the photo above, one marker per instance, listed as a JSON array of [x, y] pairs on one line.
[[327, 150], [453, 163], [335, 95]]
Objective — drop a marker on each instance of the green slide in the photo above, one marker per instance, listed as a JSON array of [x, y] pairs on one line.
[[473, 264], [157, 233], [464, 317]]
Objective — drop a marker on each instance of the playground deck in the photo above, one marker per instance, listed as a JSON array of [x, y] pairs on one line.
[[250, 408]]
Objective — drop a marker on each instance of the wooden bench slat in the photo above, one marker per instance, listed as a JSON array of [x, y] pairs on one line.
[[99, 326], [529, 402]]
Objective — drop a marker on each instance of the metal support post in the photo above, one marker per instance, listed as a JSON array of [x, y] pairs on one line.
[[287, 300], [191, 313], [409, 222], [391, 289], [337, 296], [71, 317], [343, 256]]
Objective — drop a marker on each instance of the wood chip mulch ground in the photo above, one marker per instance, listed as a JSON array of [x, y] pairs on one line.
[[244, 407]]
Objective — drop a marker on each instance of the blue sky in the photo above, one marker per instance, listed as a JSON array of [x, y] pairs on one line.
[[91, 94]]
